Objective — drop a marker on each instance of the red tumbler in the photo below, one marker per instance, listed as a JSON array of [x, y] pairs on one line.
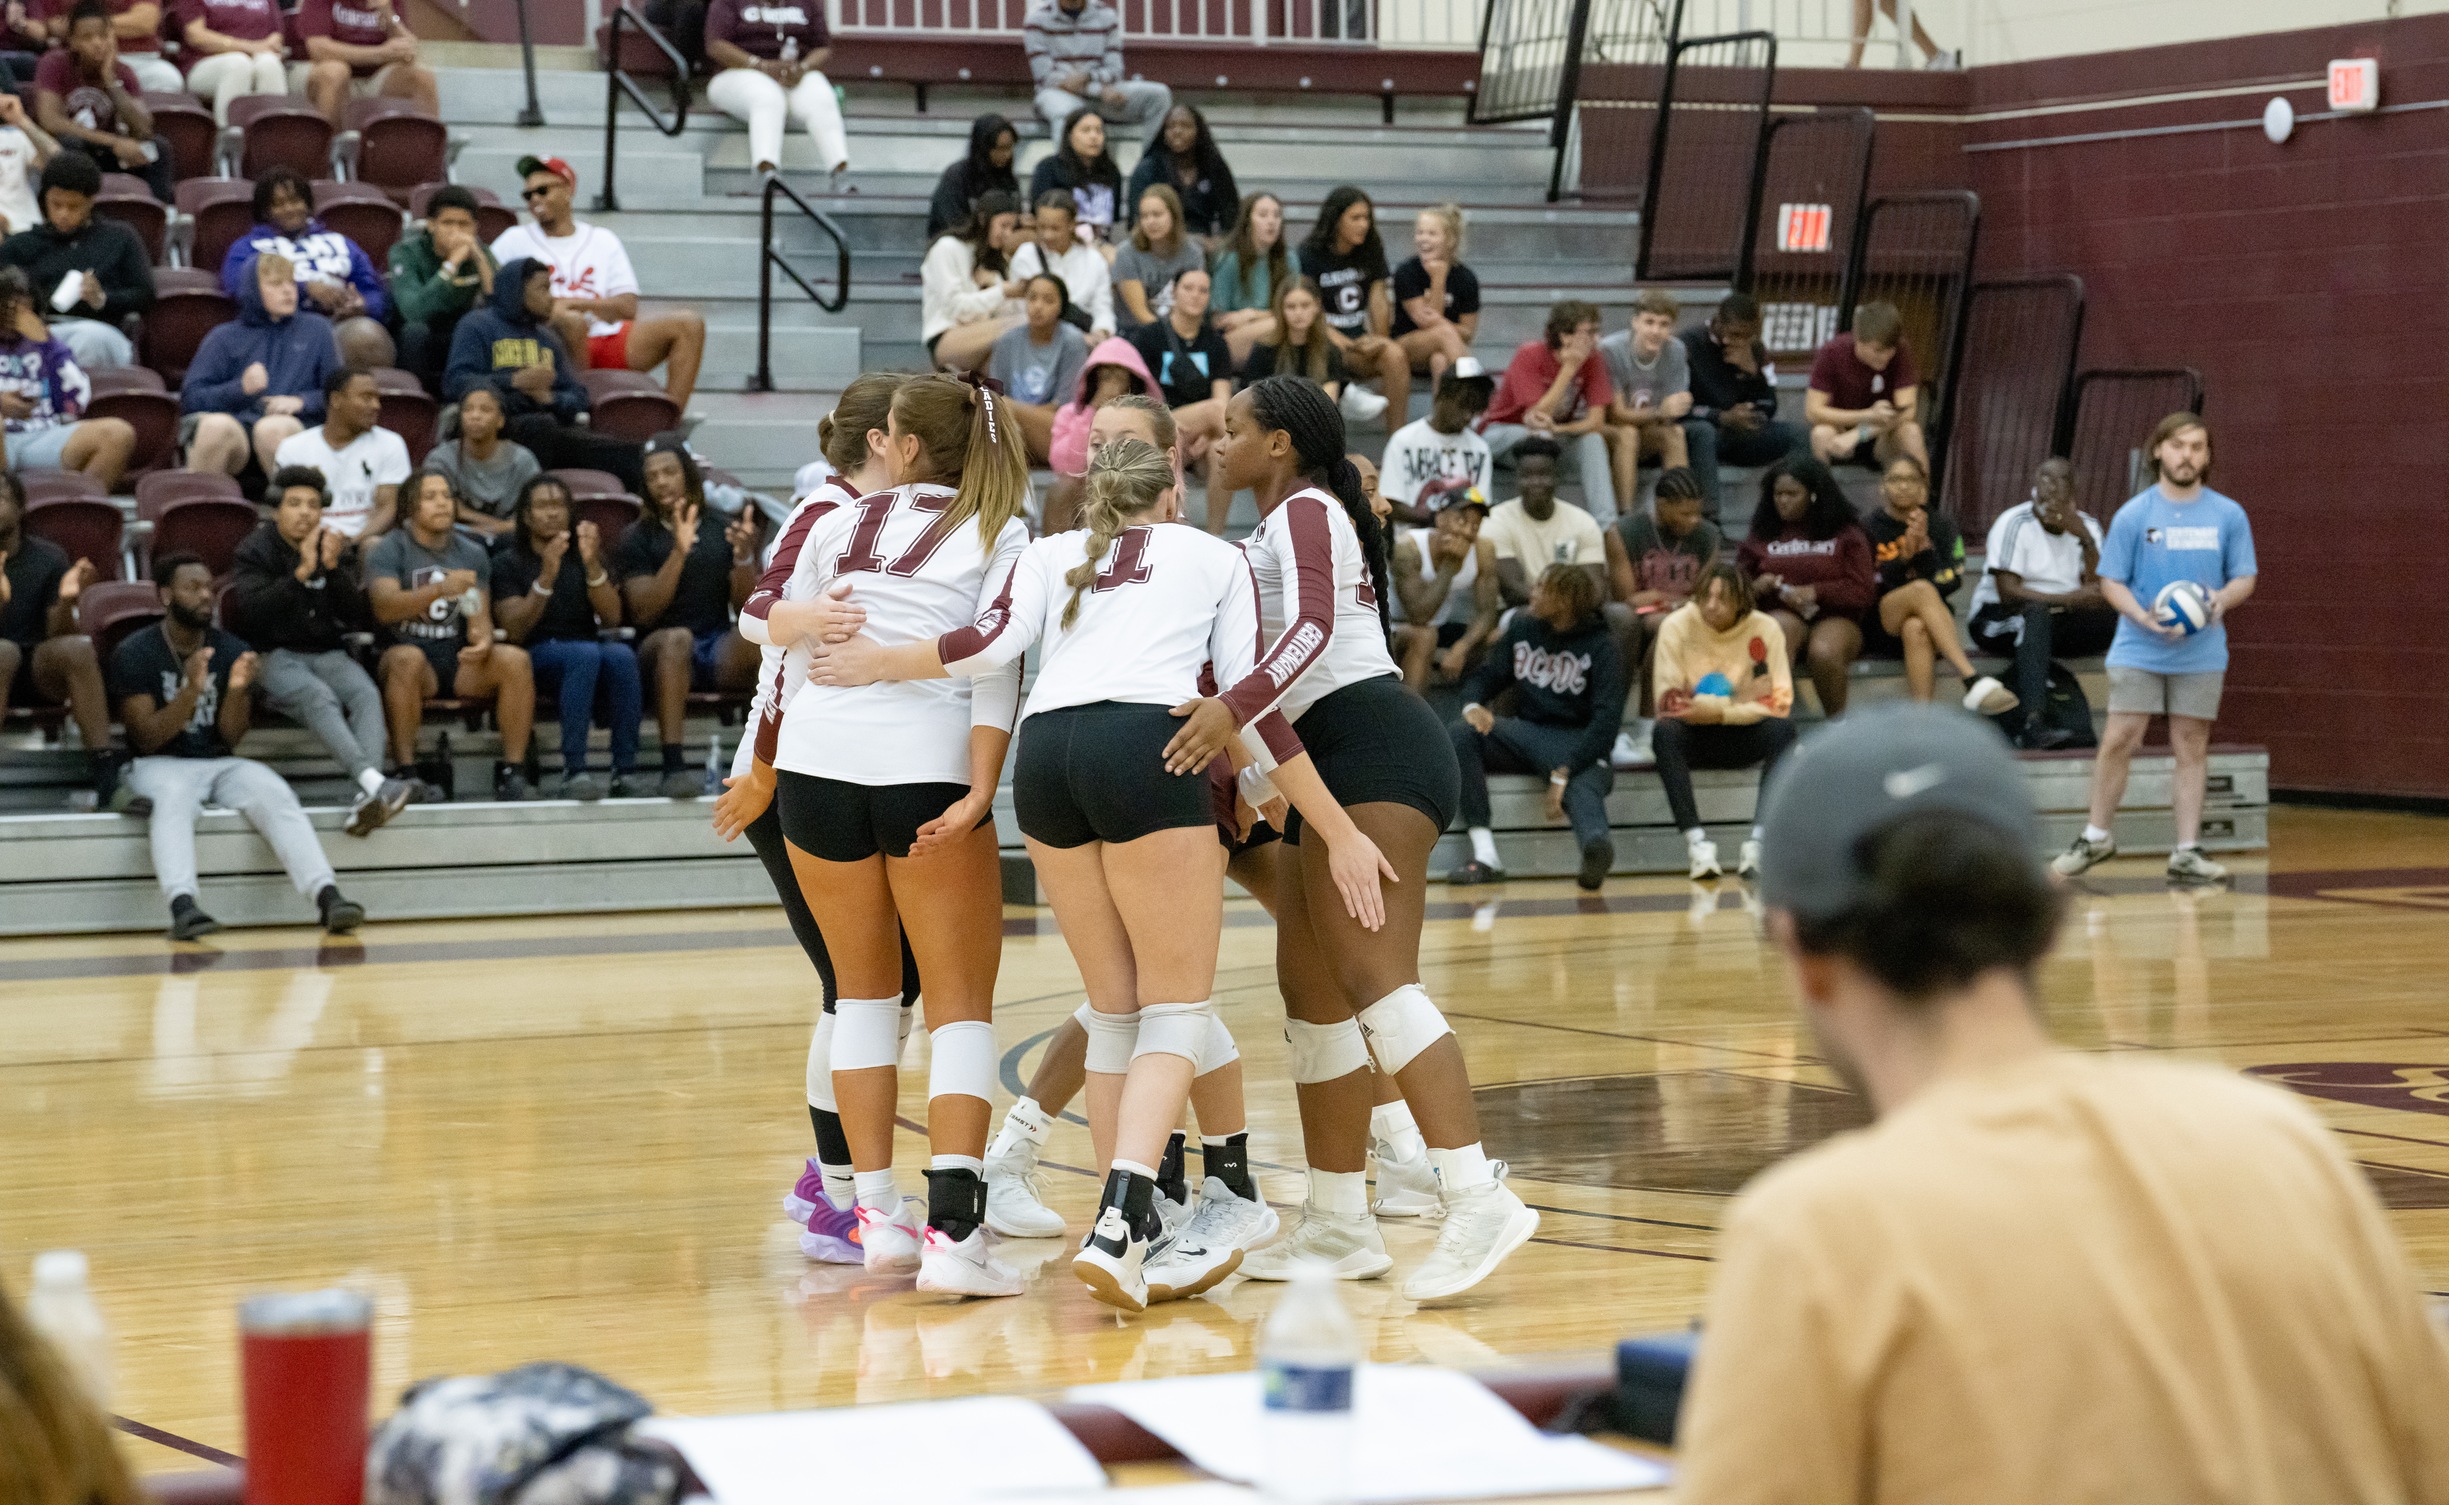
[[307, 1362]]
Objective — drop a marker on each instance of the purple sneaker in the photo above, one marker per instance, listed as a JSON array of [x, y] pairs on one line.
[[800, 1201], [833, 1233]]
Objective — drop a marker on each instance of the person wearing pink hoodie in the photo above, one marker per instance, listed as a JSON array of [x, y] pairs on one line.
[[1114, 368]]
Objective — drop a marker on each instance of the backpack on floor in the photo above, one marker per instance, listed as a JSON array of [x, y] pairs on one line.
[[2068, 710]]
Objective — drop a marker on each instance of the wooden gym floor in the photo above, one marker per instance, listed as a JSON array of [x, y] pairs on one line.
[[568, 1138]]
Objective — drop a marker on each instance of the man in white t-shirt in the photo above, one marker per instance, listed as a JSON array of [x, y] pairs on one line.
[[24, 148], [595, 291], [1441, 447], [362, 465], [2039, 596]]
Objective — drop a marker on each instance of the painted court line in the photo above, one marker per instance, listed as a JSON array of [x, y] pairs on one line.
[[176, 1443]]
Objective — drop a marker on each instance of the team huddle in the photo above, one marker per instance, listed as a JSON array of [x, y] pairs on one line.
[[1199, 709]]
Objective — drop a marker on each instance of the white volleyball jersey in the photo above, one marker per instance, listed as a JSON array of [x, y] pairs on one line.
[[919, 577], [782, 670], [1168, 601], [1317, 606]]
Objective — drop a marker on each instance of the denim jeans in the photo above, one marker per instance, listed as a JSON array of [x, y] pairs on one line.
[[1712, 446], [589, 676], [1518, 746]]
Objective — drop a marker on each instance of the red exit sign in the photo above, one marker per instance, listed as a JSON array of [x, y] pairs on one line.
[[2355, 85], [1804, 227]]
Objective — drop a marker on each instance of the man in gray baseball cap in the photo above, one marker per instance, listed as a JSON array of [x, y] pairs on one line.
[[2039, 1275]]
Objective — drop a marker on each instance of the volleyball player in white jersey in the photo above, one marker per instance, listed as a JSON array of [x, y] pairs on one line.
[[853, 436], [1351, 993], [885, 794]]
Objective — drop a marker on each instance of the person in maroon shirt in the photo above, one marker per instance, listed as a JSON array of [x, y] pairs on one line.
[[136, 25], [232, 47], [1864, 404], [86, 98], [771, 53], [357, 49], [1811, 568]]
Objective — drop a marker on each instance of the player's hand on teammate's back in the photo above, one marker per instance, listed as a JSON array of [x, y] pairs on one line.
[[1207, 728], [743, 799], [956, 822]]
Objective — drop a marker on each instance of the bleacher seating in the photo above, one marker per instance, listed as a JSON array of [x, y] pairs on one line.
[[408, 410], [600, 499], [43, 485], [492, 216], [185, 124], [629, 405], [185, 309], [276, 130], [127, 199], [219, 211], [363, 213], [111, 609], [209, 527], [397, 146], [84, 527], [137, 395], [155, 492]]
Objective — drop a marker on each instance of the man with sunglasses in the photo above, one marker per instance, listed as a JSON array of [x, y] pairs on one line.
[[595, 291]]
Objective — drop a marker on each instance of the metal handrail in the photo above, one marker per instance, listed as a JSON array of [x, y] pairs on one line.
[[531, 114], [617, 82], [1676, 48], [769, 258]]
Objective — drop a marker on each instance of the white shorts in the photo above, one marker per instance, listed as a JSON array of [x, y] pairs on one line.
[[39, 450]]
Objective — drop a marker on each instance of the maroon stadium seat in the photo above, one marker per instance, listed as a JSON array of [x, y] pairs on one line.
[[137, 209], [209, 527], [126, 379], [600, 499], [276, 130], [108, 611], [399, 145], [186, 124], [84, 527], [178, 322], [158, 491], [43, 483], [154, 414], [363, 213], [628, 405], [223, 209], [408, 410]]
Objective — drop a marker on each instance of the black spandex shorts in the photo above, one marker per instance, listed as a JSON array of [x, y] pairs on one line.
[[839, 822], [1377, 743], [1223, 791], [1097, 773]]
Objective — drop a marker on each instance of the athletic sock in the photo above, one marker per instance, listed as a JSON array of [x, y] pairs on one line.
[[1462, 1170], [876, 1190], [956, 1195], [672, 752], [1228, 1160], [1170, 1178], [1026, 1123], [1132, 1187], [1484, 846], [1392, 1125], [1755, 833], [1343, 1193], [2093, 833], [1695, 836], [370, 780], [2188, 846], [832, 1154]]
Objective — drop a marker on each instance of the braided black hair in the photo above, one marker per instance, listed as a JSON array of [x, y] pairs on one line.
[[1310, 418]]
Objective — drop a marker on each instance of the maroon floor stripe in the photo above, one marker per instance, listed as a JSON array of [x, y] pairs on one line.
[[176, 1443]]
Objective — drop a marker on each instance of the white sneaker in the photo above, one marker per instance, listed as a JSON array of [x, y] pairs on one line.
[[967, 1267], [1406, 1188], [1987, 697], [1186, 1268], [1350, 1248], [1704, 861], [1483, 1225], [1748, 865], [2188, 865], [1632, 748], [1111, 1264], [2082, 855], [1015, 1196], [1171, 1213], [890, 1239], [1222, 1219], [1360, 404]]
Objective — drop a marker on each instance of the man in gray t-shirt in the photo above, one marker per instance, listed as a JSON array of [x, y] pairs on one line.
[[1653, 383], [414, 563]]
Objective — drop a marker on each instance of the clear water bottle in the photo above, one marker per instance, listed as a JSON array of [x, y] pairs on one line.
[[61, 1308], [714, 765], [1307, 1354]]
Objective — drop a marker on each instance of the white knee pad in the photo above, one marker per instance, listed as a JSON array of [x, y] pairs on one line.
[[820, 1065], [1175, 1029], [1325, 1052], [1111, 1040], [1401, 1025], [866, 1033], [962, 1063], [1220, 1051]]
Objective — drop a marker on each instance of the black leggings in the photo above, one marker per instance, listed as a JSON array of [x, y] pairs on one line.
[[1680, 747], [765, 834]]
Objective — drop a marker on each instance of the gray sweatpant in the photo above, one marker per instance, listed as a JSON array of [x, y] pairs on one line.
[[180, 788], [334, 697]]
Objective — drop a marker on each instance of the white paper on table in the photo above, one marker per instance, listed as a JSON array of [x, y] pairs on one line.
[[1418, 1434], [974, 1448]]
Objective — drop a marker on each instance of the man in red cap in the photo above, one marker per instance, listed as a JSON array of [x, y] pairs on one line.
[[595, 292]]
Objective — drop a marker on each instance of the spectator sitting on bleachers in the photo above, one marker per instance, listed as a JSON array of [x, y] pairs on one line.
[[431, 589], [89, 98], [1299, 341], [1194, 374], [1920, 558], [1440, 451], [684, 572], [1733, 418], [184, 693], [1652, 564], [1725, 700], [772, 57], [1445, 607], [1075, 60], [1037, 362], [136, 31], [1114, 370], [115, 276], [257, 380], [358, 49], [595, 290], [1253, 264], [985, 168], [1145, 267], [1646, 366], [486, 469], [1556, 387], [1810, 568], [43, 397], [557, 596], [295, 602], [24, 38], [438, 273], [1081, 166], [362, 463], [1184, 158], [1535, 530], [1436, 297], [334, 273], [1344, 256], [44, 660], [1864, 401], [232, 48], [2039, 595], [1088, 285], [25, 150], [509, 345], [968, 293], [1560, 659]]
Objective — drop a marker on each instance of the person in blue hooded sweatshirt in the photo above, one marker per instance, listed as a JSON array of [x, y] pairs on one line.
[[508, 344], [258, 380], [335, 275]]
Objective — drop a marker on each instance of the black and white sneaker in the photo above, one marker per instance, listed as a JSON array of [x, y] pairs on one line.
[[372, 811], [1109, 1263]]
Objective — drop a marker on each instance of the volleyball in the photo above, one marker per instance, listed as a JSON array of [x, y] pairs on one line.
[[2184, 605]]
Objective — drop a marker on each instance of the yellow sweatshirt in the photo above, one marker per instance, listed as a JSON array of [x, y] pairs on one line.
[[1751, 658]]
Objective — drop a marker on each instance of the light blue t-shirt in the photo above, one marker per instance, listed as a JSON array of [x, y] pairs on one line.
[[2153, 541]]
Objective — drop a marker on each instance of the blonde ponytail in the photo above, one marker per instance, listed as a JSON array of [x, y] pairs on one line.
[[1126, 477], [972, 443]]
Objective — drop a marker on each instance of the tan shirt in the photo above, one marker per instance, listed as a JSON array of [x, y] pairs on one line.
[[2069, 1280], [1749, 656], [1569, 536]]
